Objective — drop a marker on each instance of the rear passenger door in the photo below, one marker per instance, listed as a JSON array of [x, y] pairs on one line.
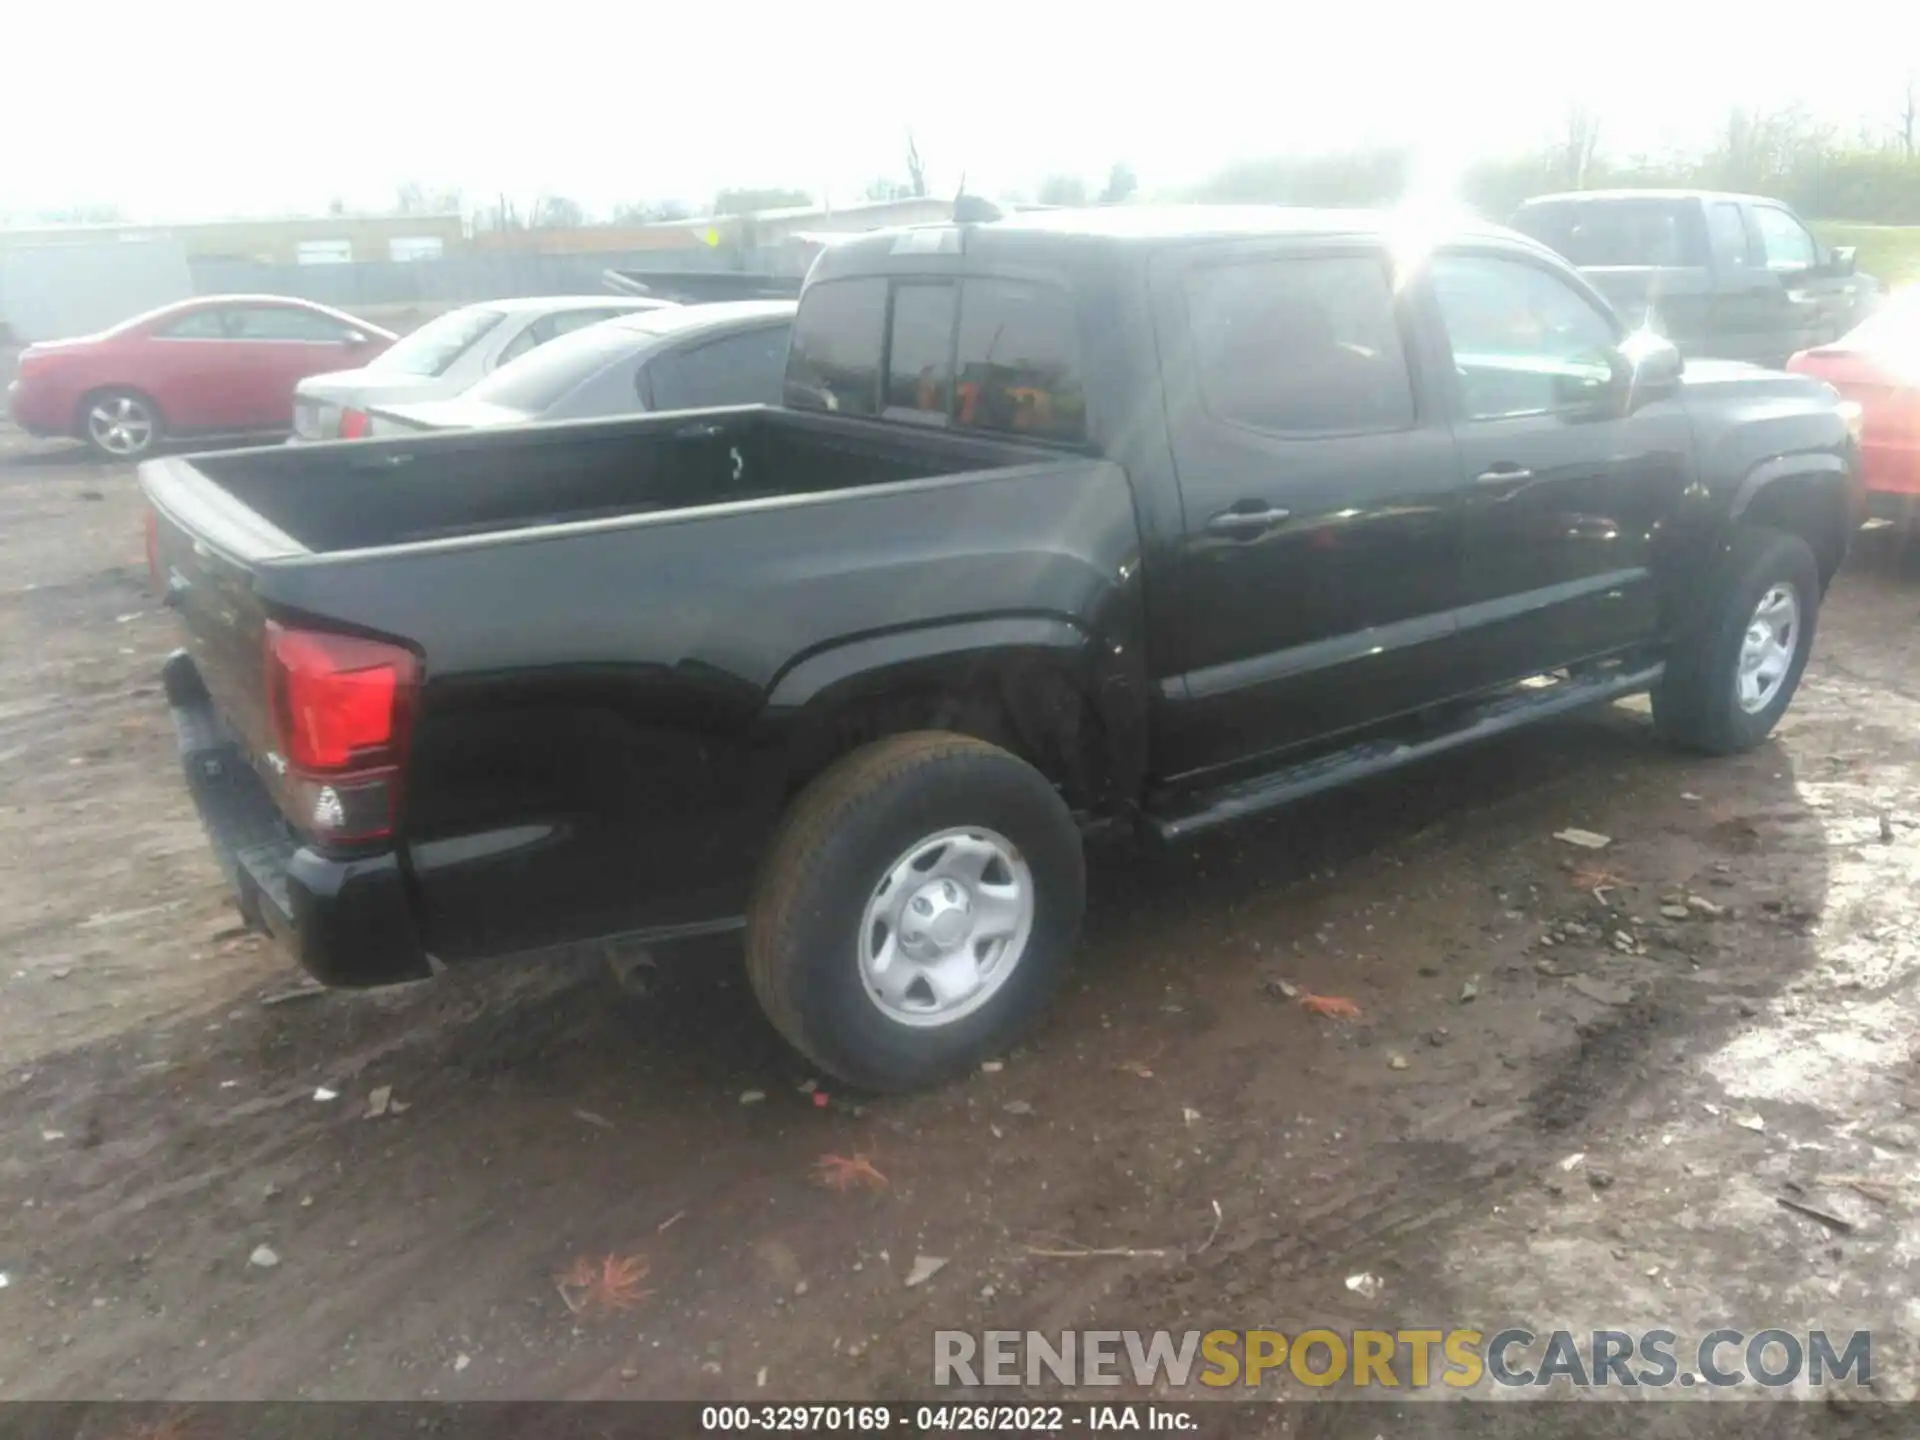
[[1321, 559]]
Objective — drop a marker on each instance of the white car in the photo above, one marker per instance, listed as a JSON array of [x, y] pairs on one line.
[[446, 356]]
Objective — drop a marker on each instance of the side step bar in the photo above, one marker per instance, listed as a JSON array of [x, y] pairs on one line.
[[1208, 808]]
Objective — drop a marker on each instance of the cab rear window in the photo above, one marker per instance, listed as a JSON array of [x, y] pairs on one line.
[[978, 354]]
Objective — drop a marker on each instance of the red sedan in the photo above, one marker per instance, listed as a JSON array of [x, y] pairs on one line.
[[219, 365], [1877, 365]]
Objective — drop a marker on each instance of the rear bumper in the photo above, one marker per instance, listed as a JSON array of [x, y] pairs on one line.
[[348, 922]]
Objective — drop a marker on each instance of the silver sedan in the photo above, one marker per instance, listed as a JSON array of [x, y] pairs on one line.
[[446, 356]]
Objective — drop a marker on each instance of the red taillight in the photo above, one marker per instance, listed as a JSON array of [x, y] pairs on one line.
[[354, 425], [342, 708]]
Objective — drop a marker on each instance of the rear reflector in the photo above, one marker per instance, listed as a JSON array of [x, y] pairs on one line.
[[355, 425], [342, 709]]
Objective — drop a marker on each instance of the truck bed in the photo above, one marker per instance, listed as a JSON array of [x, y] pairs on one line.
[[406, 490], [585, 597]]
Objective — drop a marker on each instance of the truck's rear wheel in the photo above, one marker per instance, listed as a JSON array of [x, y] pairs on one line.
[[1731, 677], [916, 909]]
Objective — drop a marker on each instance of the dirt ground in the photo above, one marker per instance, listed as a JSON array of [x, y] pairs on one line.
[[1243, 1157]]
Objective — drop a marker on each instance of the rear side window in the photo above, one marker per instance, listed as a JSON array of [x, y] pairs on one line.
[[737, 370], [1018, 361], [1727, 234], [920, 354], [1615, 232], [1301, 346], [834, 363]]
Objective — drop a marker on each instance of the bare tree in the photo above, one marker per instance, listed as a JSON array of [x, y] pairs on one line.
[[916, 170], [1907, 118], [1583, 140]]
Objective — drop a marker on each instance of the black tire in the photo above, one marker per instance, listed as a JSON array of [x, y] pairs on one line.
[[838, 843], [1696, 705], [131, 405]]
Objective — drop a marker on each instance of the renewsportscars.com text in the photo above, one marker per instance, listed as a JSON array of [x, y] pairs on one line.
[[1411, 1359]]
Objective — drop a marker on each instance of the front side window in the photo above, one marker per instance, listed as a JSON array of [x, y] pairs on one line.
[[1301, 346], [1785, 239], [1017, 363], [1524, 341], [920, 353], [835, 360]]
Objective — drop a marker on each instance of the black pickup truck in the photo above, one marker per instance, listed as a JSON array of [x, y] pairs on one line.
[[1731, 277], [1135, 521]]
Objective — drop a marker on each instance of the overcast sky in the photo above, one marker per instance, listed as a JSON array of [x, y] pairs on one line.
[[202, 107]]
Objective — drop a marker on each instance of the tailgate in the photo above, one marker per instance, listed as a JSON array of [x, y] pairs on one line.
[[203, 557]]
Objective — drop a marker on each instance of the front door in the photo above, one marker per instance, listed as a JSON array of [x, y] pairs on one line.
[[1815, 301], [1567, 474], [1320, 500]]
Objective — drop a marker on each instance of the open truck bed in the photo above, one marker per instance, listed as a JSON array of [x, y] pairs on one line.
[[582, 630]]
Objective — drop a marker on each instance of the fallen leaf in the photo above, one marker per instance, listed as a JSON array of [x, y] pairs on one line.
[[323, 1093], [1017, 1107], [593, 1119], [460, 1362], [925, 1267], [1136, 1067], [1364, 1285], [1585, 839], [611, 1285], [846, 1172], [1334, 1007], [1750, 1122], [752, 1097], [379, 1099], [264, 1257], [1397, 1062], [1189, 1114], [992, 1067]]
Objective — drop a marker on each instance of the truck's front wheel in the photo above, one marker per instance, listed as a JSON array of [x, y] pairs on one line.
[[1733, 672], [917, 907]]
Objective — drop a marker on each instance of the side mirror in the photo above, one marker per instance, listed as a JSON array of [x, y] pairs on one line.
[[1840, 259], [355, 339], [1650, 365]]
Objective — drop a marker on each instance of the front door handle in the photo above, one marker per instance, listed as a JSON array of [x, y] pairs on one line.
[[1246, 520], [1504, 475]]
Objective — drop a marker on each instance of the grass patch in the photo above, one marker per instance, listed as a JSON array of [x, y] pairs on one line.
[[1890, 252]]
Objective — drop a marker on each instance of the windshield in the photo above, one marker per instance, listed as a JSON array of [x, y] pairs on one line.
[[434, 347], [539, 378]]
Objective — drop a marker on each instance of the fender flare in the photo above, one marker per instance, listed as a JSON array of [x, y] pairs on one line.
[[1802, 465], [811, 676]]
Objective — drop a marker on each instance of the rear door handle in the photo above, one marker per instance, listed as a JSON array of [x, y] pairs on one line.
[[1244, 521]]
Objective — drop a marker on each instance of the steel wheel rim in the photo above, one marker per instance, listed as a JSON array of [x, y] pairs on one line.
[[120, 425], [946, 927], [1766, 650]]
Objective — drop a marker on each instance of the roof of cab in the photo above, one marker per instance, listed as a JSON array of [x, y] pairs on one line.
[[1564, 197], [1044, 234]]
